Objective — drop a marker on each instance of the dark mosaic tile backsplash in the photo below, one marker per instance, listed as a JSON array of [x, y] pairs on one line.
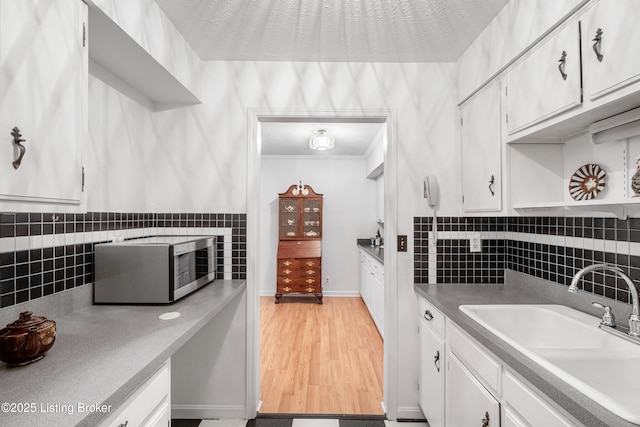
[[557, 263], [29, 274]]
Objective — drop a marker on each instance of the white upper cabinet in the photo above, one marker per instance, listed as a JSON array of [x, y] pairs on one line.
[[43, 81], [481, 151], [610, 36], [546, 81]]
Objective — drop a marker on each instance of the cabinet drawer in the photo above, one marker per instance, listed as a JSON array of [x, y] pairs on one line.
[[149, 404], [476, 359], [433, 318], [529, 405], [299, 288], [300, 249]]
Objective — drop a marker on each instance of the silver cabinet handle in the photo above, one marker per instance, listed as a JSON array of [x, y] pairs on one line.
[[428, 315], [597, 46], [563, 63]]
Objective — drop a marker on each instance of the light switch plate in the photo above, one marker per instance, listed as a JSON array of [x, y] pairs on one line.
[[402, 243], [475, 242]]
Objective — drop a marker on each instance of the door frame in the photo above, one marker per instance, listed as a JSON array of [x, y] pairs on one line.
[[255, 116]]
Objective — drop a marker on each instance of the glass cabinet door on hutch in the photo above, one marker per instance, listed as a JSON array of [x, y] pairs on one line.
[[289, 218]]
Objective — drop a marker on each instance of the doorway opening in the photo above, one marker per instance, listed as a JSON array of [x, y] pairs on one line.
[[311, 358]]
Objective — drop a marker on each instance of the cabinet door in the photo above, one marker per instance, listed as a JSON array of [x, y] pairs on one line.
[[312, 217], [43, 81], [615, 24], [481, 151], [468, 402], [289, 218], [546, 82], [378, 304], [432, 365]]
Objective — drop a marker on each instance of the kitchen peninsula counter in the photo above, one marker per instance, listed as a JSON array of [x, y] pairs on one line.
[[448, 297], [102, 354]]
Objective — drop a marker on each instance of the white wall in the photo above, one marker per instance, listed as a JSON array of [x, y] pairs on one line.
[[349, 213], [194, 159]]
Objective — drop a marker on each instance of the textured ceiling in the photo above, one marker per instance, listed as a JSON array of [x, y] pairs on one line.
[[331, 30]]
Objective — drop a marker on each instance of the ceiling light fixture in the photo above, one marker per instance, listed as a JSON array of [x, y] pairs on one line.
[[321, 140]]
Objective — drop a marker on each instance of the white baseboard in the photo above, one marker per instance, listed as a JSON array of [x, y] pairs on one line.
[[272, 292], [410, 413], [208, 412]]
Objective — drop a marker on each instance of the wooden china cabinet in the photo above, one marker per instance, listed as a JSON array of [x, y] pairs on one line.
[[299, 242]]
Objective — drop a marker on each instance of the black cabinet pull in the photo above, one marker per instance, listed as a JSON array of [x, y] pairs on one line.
[[428, 315], [485, 420], [436, 360], [492, 181], [17, 139], [597, 46], [562, 65]]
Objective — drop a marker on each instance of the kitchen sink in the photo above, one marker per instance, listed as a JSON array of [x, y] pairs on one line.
[[570, 344]]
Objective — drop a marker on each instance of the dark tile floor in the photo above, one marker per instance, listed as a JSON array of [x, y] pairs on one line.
[[286, 422]]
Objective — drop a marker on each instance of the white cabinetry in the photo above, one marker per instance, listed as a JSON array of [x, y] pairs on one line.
[[481, 149], [149, 406], [372, 288], [474, 388], [608, 63], [432, 364], [522, 403], [43, 81], [468, 402], [546, 81], [380, 199]]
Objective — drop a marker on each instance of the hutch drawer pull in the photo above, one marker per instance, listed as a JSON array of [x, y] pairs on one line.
[[428, 315], [310, 289], [17, 139], [310, 272], [286, 280], [485, 420], [286, 271], [310, 281], [286, 289], [562, 65], [597, 46], [436, 360]]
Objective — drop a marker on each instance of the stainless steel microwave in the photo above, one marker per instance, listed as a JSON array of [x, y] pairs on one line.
[[153, 270]]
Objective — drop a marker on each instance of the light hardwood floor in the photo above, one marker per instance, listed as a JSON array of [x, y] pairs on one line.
[[319, 358]]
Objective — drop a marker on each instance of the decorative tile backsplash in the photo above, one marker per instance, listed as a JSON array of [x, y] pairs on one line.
[[44, 253], [552, 248]]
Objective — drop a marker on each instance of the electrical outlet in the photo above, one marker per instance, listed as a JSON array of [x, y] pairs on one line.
[[475, 242], [327, 280]]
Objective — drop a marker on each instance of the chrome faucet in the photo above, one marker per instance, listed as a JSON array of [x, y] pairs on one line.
[[634, 318]]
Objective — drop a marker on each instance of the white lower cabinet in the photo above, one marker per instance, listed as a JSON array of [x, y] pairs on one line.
[[372, 288], [525, 407], [474, 388], [432, 369], [149, 406], [468, 403]]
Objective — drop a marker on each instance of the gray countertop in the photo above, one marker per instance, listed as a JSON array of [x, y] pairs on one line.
[[376, 251], [103, 353], [448, 297]]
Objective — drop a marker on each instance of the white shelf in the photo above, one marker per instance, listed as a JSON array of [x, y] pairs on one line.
[[620, 207]]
